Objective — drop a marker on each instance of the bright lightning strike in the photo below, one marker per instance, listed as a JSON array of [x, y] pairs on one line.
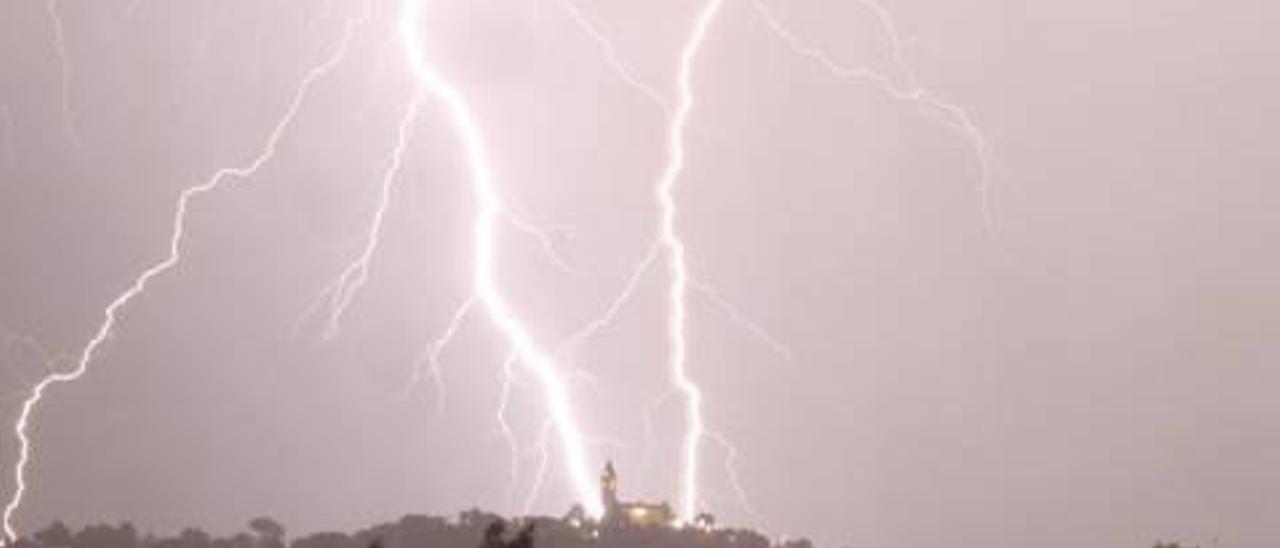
[[689, 478], [490, 209], [112, 312], [679, 275]]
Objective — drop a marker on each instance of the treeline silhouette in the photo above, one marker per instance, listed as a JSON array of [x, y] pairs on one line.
[[469, 529]]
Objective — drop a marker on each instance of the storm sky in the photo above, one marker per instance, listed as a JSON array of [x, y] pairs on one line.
[[1090, 362]]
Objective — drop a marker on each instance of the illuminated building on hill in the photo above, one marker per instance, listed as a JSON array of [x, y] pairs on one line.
[[630, 514]]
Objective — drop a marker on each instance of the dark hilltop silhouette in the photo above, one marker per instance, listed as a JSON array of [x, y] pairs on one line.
[[469, 529], [623, 525]]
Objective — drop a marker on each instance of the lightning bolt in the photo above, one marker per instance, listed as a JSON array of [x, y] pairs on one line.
[[678, 270], [486, 291], [611, 54], [542, 451], [504, 399], [523, 224], [712, 295], [431, 354], [112, 312], [952, 115], [354, 276], [343, 290], [46, 360], [610, 313], [731, 469], [681, 280], [542, 448], [492, 208]]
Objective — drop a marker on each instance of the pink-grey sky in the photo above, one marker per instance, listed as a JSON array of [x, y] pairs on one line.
[[1089, 363]]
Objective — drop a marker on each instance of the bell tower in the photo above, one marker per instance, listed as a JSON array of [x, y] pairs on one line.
[[609, 489]]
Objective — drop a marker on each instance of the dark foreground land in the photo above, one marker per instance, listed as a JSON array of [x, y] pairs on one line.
[[470, 529]]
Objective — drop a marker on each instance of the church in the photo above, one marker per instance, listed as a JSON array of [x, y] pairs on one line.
[[618, 514]]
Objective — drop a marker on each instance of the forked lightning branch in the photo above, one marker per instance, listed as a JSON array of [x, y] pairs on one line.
[[413, 23]]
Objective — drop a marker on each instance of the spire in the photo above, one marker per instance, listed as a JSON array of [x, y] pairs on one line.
[[609, 488]]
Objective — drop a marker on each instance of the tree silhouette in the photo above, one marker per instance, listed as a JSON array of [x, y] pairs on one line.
[[525, 538], [56, 535], [270, 532], [493, 534], [106, 536], [469, 529]]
